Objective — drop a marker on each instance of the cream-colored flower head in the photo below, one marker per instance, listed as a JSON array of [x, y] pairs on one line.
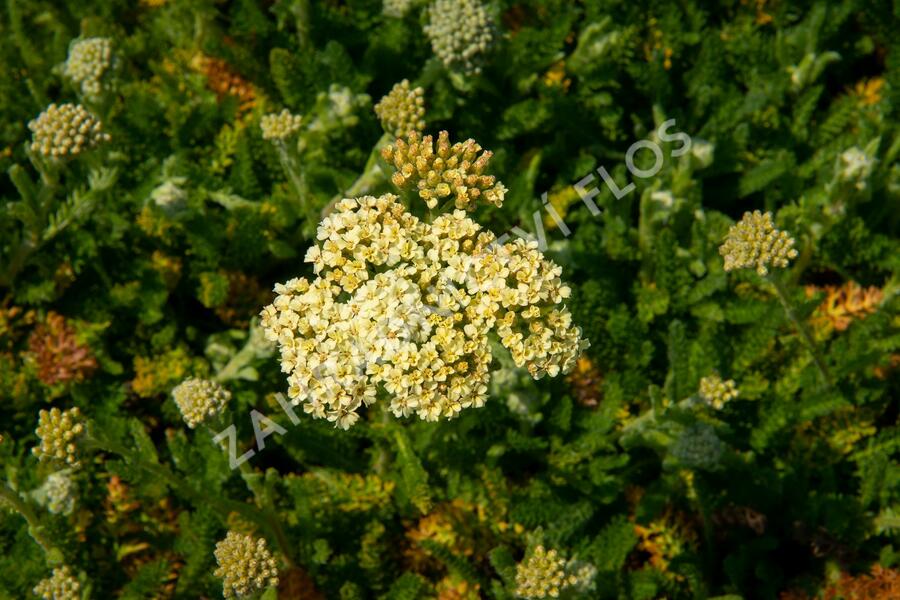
[[445, 171], [199, 400], [61, 493], [245, 565], [88, 61], [62, 585], [59, 432], [754, 243], [280, 126], [717, 392], [397, 8], [65, 130], [402, 110], [404, 306], [545, 574], [461, 32]]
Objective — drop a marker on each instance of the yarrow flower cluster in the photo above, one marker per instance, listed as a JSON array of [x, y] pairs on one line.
[[88, 61], [447, 171], [65, 130], [406, 306], [199, 400], [62, 585], [460, 31], [698, 447], [402, 110], [59, 432], [245, 565], [546, 574], [755, 243], [280, 126], [717, 392], [61, 493], [855, 166]]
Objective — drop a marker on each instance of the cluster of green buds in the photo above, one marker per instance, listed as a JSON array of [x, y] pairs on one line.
[[62, 585], [280, 126], [396, 9], [61, 493], [698, 447], [402, 110], [717, 392], [65, 130], [200, 400], [88, 61], [754, 242], [461, 32], [59, 432], [546, 574], [245, 565], [443, 172]]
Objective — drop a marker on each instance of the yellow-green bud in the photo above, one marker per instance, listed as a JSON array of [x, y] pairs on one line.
[[717, 392], [245, 565], [88, 60], [402, 110], [62, 585], [65, 130], [280, 126], [460, 31], [59, 433], [755, 243], [199, 400]]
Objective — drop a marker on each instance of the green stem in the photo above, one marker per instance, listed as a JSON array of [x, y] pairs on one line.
[[53, 554], [372, 176], [223, 506], [800, 326]]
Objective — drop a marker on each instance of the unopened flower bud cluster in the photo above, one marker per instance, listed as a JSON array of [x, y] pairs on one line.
[[546, 574], [444, 172], [280, 126], [717, 392], [65, 130], [88, 61], [407, 306], [698, 447], [61, 493], [402, 110], [461, 32], [59, 433], [754, 243], [62, 585], [245, 565], [396, 9], [199, 400]]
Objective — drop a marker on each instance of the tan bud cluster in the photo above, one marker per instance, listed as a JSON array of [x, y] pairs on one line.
[[199, 400], [755, 243], [461, 32], [245, 565], [280, 126], [88, 61], [65, 130], [62, 585], [59, 432], [402, 110], [546, 574], [717, 392], [445, 171]]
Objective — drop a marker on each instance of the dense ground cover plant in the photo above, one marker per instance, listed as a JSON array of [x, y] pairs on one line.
[[360, 299]]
